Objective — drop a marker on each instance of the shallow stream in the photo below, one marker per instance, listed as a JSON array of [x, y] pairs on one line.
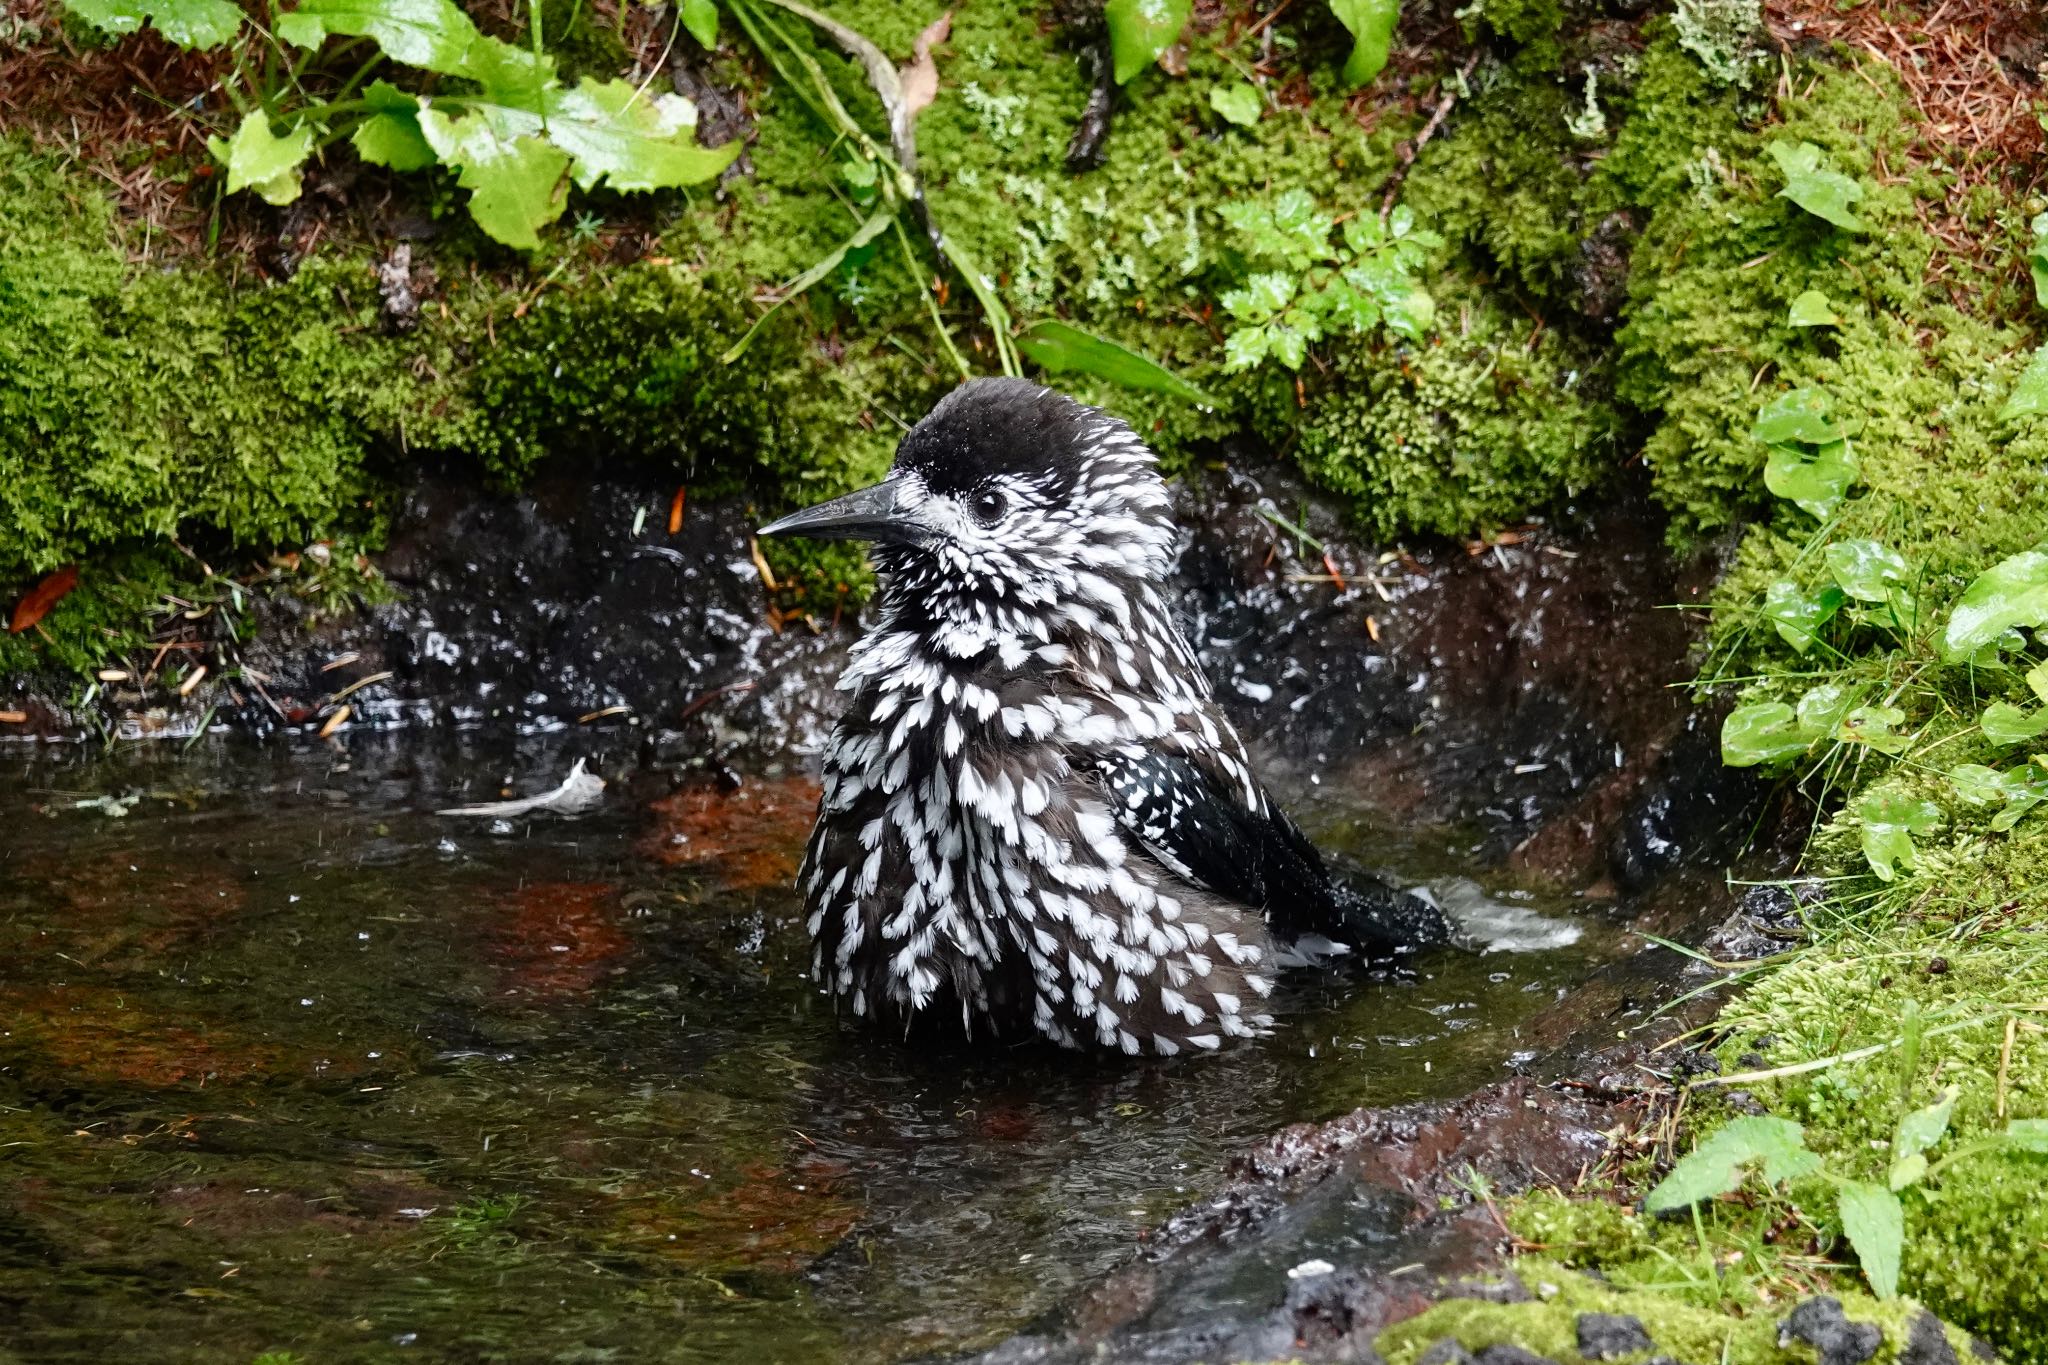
[[291, 1063]]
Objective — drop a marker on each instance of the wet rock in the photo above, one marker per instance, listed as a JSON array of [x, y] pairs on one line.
[[1511, 1355], [1600, 276], [1449, 1351], [1926, 1343], [1608, 1336], [1821, 1324], [1692, 807], [1768, 920]]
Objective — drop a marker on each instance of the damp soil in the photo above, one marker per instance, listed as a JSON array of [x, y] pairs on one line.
[[289, 1062]]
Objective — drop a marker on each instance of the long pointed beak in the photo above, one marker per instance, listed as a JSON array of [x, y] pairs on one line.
[[871, 514]]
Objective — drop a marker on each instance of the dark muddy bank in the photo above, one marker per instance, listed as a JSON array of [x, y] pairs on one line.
[[297, 1064]]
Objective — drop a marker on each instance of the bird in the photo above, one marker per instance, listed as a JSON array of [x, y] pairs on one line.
[[1032, 809]]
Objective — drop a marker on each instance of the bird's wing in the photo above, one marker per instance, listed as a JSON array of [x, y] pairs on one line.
[[1196, 822]]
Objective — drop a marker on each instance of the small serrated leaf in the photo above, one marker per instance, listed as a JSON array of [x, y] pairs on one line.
[[1716, 1166], [184, 23], [1922, 1128], [257, 159]]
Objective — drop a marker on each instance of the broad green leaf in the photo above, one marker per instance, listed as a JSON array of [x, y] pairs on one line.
[[1139, 30], [2029, 396], [1823, 709], [434, 35], [2037, 259], [1978, 785], [1762, 732], [516, 180], [1815, 480], [2026, 787], [1875, 1224], [1872, 725], [259, 160], [618, 135], [1059, 348], [700, 20], [1797, 617], [1797, 417], [2011, 593], [2029, 1135], [1821, 192], [1922, 1128], [1812, 309], [1371, 23], [1238, 102], [1867, 570], [1906, 1172], [184, 23], [1716, 1166], [1890, 821], [391, 135], [2037, 680], [2005, 724]]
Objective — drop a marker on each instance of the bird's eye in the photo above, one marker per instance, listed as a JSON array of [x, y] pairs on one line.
[[989, 506]]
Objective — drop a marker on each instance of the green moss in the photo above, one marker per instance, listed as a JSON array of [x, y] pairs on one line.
[[1548, 1325], [1496, 421]]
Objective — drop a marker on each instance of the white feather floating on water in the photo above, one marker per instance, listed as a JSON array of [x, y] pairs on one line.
[[580, 793]]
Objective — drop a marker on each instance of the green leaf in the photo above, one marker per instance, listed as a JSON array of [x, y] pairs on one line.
[[2026, 787], [1238, 102], [1875, 1225], [1797, 617], [1867, 570], [1823, 709], [1872, 725], [516, 180], [1906, 1172], [1264, 295], [259, 160], [2006, 725], [2029, 396], [2011, 593], [1812, 309], [1821, 192], [1978, 785], [1762, 732], [1922, 1128], [1716, 1166], [183, 23], [1816, 481], [2029, 1135], [1410, 312], [391, 135], [700, 20], [2037, 259], [1139, 30], [1890, 821], [1059, 348], [618, 135], [1371, 23], [1245, 348], [2037, 680], [1798, 417], [1288, 345], [434, 35]]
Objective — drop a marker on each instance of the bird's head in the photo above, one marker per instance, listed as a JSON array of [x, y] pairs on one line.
[[1012, 491]]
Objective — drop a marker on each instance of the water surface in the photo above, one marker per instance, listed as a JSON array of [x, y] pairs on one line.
[[288, 1063]]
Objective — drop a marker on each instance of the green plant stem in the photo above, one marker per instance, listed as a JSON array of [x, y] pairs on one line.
[[930, 303]]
